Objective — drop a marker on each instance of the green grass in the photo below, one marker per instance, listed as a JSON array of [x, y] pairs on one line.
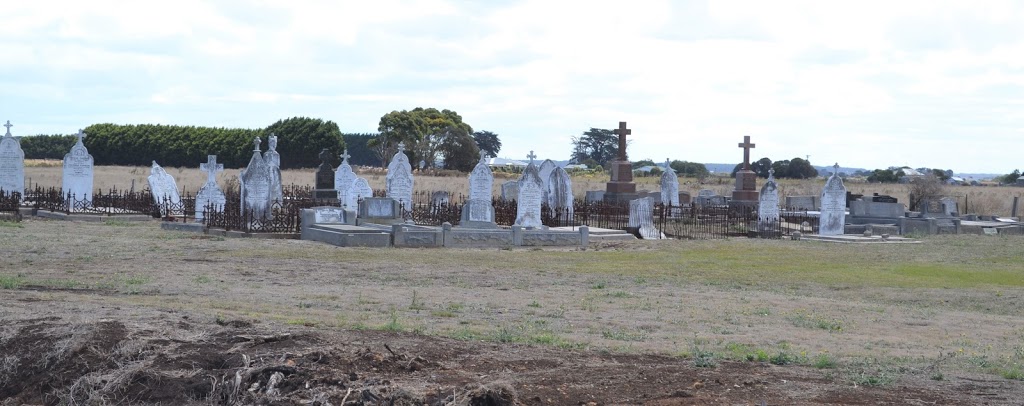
[[11, 281], [10, 224]]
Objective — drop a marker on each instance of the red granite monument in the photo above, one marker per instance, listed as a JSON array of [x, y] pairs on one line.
[[745, 193], [620, 188]]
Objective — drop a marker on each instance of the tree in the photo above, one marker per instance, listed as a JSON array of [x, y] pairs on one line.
[[927, 187], [601, 145], [761, 167], [361, 153], [690, 169], [425, 132], [460, 152], [800, 168], [942, 175], [47, 146], [781, 168], [883, 176], [396, 127], [642, 163], [487, 142], [442, 127], [1008, 178], [301, 139]]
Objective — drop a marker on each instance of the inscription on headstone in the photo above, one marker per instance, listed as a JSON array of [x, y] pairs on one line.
[[360, 189], [768, 205], [210, 194], [833, 206], [380, 207], [343, 179], [328, 215], [12, 163], [78, 172], [481, 181]]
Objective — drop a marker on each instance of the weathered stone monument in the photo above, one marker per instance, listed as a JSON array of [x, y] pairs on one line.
[[620, 188], [256, 181], [358, 189], [669, 186], [343, 178], [12, 164], [510, 190], [210, 196], [744, 194], [273, 160], [164, 188], [478, 212], [440, 198], [78, 173], [399, 178], [324, 186], [559, 194], [768, 207], [531, 194], [833, 206], [641, 217], [544, 170], [708, 197]]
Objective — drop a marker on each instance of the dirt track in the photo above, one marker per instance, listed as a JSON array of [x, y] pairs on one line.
[[109, 355]]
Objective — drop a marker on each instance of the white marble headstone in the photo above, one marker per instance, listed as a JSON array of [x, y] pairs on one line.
[[641, 216], [163, 188], [256, 180], [481, 182], [544, 171], [360, 189], [531, 195], [399, 181], [343, 178], [669, 186], [78, 172], [559, 192], [510, 190], [273, 160], [12, 164], [768, 206], [833, 206], [210, 194]]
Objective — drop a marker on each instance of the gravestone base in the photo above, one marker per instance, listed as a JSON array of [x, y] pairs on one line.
[[322, 194]]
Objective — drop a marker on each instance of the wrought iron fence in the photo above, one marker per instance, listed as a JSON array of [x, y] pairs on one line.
[[112, 201], [10, 205]]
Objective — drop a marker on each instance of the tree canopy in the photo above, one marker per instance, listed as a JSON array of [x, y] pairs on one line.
[[428, 134], [488, 142], [598, 144]]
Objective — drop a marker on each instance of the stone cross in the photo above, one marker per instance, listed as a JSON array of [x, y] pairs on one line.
[[80, 135], [401, 146], [483, 157], [771, 173], [256, 142], [344, 155], [212, 168], [622, 133], [324, 155], [746, 145], [531, 156], [668, 164], [835, 169], [8, 125], [272, 142]]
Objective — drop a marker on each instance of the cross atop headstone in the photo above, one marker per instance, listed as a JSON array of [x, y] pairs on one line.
[[80, 135], [272, 142], [344, 155], [325, 155], [256, 143], [483, 157], [746, 145], [8, 125], [401, 146], [212, 168], [835, 169], [771, 173], [668, 164], [531, 156], [622, 132]]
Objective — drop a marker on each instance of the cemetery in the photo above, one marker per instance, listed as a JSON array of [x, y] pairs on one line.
[[325, 273]]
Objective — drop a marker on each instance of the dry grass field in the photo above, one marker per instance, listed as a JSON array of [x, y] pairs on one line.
[[979, 200], [125, 312]]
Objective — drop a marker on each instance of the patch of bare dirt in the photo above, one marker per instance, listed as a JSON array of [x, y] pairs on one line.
[[179, 361]]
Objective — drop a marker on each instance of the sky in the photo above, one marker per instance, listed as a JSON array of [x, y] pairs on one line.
[[869, 84]]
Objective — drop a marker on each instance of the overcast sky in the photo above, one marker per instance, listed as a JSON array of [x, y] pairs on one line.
[[865, 83]]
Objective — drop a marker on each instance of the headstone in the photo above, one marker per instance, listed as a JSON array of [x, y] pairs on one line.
[[669, 186], [256, 181], [382, 207], [709, 198], [440, 198], [949, 207], [684, 198], [531, 194], [833, 206], [328, 215], [594, 196], [12, 164], [768, 206], [883, 198], [803, 203], [621, 188], [324, 186], [273, 160], [559, 193], [210, 194], [78, 172], [510, 190], [641, 217], [479, 210], [359, 189], [163, 187], [399, 179], [544, 171], [343, 178], [745, 192]]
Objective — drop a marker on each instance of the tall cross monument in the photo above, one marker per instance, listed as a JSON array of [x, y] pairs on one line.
[[621, 189], [745, 194]]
